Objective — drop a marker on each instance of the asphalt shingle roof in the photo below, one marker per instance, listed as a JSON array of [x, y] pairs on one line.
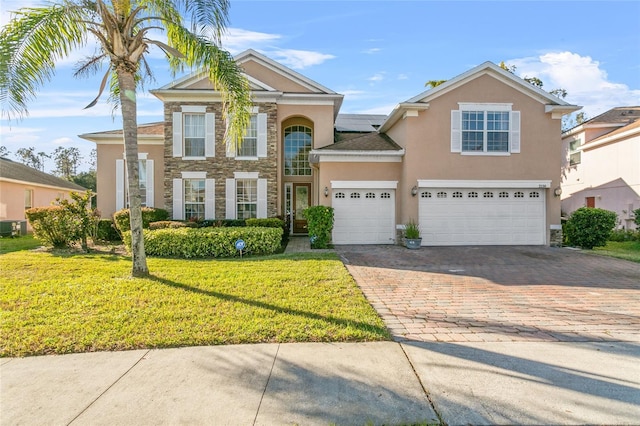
[[18, 171], [363, 142]]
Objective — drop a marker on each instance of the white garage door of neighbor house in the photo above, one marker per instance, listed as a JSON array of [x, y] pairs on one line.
[[364, 216], [476, 216]]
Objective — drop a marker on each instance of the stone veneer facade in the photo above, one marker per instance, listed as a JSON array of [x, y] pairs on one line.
[[222, 167]]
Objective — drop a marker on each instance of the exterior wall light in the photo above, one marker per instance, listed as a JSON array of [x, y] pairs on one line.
[[414, 190], [557, 192], [326, 191]]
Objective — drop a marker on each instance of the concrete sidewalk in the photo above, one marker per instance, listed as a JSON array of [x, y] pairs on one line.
[[329, 383]]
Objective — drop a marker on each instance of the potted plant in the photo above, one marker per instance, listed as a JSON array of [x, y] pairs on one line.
[[412, 238]]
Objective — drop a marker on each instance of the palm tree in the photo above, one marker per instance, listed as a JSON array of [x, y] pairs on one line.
[[36, 37]]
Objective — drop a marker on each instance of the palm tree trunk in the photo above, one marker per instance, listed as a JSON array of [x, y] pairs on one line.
[[128, 105]]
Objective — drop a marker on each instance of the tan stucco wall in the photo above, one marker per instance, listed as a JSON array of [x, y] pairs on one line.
[[427, 140], [12, 199], [351, 171], [106, 175], [273, 79]]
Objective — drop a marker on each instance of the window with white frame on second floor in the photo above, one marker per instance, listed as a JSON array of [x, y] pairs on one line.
[[485, 131], [575, 156], [489, 129], [249, 146], [194, 134]]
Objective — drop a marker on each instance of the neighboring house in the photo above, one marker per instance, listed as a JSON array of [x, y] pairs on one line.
[[475, 160], [601, 164], [23, 187]]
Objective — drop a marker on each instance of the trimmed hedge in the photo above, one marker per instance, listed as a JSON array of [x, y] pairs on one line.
[[163, 224], [149, 214], [590, 227], [320, 225], [107, 231], [208, 242]]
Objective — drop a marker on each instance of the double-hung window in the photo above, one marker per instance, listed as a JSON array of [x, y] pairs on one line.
[[246, 198], [194, 199], [574, 152], [249, 146], [194, 134], [491, 129], [145, 182]]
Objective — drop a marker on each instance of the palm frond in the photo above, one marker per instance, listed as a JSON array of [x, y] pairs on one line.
[[30, 45]]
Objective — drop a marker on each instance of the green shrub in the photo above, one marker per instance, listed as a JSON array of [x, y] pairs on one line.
[[636, 218], [272, 222], [411, 230], [320, 225], [53, 225], [620, 235], [149, 214], [85, 218], [590, 227], [163, 224], [107, 231], [208, 242]]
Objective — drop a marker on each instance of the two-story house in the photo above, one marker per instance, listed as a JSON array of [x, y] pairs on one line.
[[601, 164], [474, 161]]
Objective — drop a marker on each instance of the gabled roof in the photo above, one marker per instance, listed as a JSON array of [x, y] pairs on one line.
[[362, 142], [552, 103], [18, 172], [147, 133], [619, 134], [615, 118], [197, 86]]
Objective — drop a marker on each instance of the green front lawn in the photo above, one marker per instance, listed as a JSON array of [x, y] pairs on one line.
[[58, 302], [629, 250]]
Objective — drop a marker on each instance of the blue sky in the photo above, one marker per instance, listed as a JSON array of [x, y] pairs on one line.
[[380, 53]]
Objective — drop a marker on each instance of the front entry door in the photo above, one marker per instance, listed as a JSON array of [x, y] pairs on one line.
[[301, 200]]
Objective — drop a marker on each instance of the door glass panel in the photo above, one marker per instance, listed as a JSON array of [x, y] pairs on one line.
[[302, 201]]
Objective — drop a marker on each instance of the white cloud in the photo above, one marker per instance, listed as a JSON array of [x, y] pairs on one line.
[[585, 80], [298, 59], [403, 77], [379, 76], [236, 40], [382, 109], [62, 141], [372, 50], [19, 136]]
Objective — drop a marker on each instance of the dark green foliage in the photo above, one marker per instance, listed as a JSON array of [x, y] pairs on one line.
[[320, 225], [272, 222], [208, 242], [590, 227], [164, 224], [636, 212], [107, 231], [621, 235], [85, 218], [149, 214]]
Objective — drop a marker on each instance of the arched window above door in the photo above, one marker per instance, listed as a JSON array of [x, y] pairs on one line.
[[298, 141]]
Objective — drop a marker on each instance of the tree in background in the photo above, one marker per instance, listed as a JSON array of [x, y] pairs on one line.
[[4, 152], [67, 161], [29, 157], [37, 37]]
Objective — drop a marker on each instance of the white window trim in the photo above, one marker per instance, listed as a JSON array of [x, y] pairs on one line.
[[209, 198], [261, 142], [209, 129], [230, 195], [514, 128], [121, 181], [364, 184]]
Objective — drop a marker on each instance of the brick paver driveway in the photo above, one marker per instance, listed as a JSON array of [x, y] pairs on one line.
[[472, 294]]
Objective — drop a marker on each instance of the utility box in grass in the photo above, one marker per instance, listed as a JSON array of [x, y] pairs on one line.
[[13, 228]]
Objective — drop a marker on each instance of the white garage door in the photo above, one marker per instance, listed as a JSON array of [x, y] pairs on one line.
[[476, 216], [364, 216]]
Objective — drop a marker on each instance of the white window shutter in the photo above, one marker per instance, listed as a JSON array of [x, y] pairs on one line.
[[210, 134], [262, 199], [120, 184], [177, 134], [262, 135], [150, 188], [230, 195], [514, 134], [231, 146], [210, 199], [456, 132], [178, 204]]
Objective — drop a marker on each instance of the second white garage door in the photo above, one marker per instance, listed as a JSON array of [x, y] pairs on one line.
[[476, 216], [363, 216]]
